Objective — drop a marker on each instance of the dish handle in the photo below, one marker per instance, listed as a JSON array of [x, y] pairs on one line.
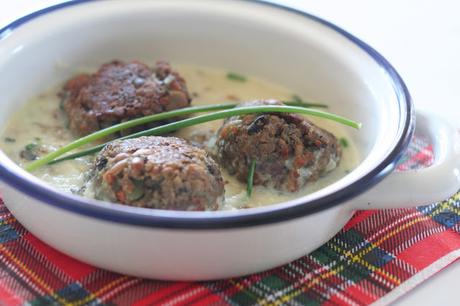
[[421, 186]]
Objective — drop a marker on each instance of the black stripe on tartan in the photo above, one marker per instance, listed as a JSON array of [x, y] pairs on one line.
[[339, 287], [271, 283], [314, 293], [245, 296], [219, 287], [352, 272], [20, 230], [222, 288]]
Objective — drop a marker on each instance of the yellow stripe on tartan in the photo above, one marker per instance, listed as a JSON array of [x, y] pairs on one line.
[[314, 281], [91, 296], [447, 204], [359, 259], [33, 276], [8, 220], [358, 256], [242, 288], [98, 293], [354, 258]]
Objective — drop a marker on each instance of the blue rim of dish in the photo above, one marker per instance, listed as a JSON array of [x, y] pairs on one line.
[[165, 219]]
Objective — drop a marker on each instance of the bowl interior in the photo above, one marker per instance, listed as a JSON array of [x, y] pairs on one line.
[[252, 38]]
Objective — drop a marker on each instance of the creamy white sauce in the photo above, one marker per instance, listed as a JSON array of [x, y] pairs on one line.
[[41, 122]]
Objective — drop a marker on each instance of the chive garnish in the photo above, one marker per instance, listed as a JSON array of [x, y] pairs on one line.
[[250, 181], [122, 126], [298, 101], [236, 77], [305, 104], [343, 142], [9, 139], [171, 127]]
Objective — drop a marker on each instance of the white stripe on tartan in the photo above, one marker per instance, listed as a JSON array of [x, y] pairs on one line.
[[342, 286], [326, 293], [105, 297], [174, 300], [398, 222], [420, 236], [357, 248], [249, 285], [23, 276], [271, 296], [418, 278]]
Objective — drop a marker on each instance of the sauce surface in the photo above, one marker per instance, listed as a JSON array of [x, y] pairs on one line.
[[40, 126]]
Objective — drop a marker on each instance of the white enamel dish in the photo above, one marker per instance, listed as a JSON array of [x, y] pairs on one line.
[[311, 56]]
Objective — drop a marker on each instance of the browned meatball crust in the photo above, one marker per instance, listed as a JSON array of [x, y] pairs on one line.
[[158, 172], [289, 150], [119, 92]]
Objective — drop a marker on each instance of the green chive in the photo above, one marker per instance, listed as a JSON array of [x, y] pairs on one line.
[[236, 77], [250, 182], [9, 139], [171, 127], [343, 142], [122, 126], [125, 125], [305, 104], [30, 146], [297, 101]]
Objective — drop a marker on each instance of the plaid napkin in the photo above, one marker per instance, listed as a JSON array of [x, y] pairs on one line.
[[377, 256]]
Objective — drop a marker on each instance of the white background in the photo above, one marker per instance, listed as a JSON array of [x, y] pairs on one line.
[[421, 38]]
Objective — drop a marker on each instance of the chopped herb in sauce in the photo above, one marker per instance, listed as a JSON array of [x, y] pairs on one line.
[[30, 146], [30, 151], [9, 139], [236, 77], [343, 142], [296, 98]]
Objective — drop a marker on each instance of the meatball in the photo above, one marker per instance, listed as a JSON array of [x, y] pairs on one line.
[[289, 150], [121, 91], [157, 172]]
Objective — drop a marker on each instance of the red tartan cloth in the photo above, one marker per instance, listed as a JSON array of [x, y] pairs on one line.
[[376, 252]]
